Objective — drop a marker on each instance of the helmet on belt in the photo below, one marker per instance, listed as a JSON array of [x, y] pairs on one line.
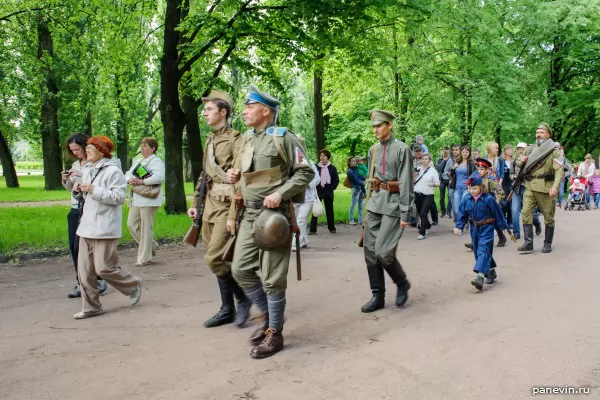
[[271, 230]]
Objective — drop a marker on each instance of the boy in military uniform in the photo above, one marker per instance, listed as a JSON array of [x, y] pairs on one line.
[[388, 210], [492, 187], [219, 211], [270, 177], [543, 170]]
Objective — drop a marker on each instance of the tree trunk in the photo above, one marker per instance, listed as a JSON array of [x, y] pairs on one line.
[[172, 115], [468, 119], [318, 106], [122, 136], [88, 122], [497, 138], [49, 108], [8, 166], [194, 141]]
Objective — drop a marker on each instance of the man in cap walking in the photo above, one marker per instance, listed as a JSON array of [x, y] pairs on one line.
[[219, 211], [391, 200], [271, 176], [543, 172]]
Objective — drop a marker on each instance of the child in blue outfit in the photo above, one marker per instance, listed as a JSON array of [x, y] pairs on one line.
[[482, 212]]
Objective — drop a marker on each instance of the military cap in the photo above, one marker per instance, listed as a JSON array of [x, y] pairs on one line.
[[220, 95], [543, 125], [417, 147], [522, 145], [256, 96], [380, 116], [483, 162], [475, 179]]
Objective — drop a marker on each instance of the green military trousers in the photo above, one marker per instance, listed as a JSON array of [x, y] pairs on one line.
[[215, 237], [381, 237], [544, 203], [248, 259]]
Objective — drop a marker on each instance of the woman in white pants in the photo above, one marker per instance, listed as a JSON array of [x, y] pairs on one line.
[[303, 210], [142, 211]]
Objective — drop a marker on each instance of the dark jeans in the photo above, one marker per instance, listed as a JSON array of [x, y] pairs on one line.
[[443, 186], [434, 211], [73, 224], [328, 213], [424, 203]]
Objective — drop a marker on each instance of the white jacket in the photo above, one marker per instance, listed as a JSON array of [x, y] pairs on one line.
[[73, 180], [590, 171], [157, 167], [102, 215], [431, 177]]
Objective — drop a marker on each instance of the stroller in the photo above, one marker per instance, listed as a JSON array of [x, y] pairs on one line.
[[576, 195]]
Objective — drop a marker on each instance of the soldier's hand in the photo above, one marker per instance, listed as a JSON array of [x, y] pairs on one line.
[[273, 200], [233, 175], [553, 192], [192, 212], [230, 225], [404, 224], [523, 159]]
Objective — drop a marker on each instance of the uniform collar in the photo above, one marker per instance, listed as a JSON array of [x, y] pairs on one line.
[[390, 140], [221, 130]]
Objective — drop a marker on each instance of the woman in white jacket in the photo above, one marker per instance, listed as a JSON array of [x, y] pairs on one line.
[[103, 190], [425, 183], [142, 211]]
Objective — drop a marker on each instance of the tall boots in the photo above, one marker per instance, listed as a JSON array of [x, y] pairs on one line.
[[549, 236], [229, 288], [528, 236], [377, 283]]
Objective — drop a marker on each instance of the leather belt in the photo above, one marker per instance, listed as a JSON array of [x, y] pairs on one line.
[[378, 185], [254, 204], [484, 222]]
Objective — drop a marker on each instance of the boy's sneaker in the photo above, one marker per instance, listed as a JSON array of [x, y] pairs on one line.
[[102, 286], [421, 237], [75, 293]]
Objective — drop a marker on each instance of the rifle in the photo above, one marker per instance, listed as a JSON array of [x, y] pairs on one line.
[[193, 234], [517, 182], [296, 231]]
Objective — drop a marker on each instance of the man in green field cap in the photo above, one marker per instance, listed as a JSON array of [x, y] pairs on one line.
[[542, 166], [391, 193], [272, 169], [219, 214]]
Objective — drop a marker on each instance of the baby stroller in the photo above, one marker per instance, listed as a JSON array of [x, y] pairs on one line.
[[577, 195]]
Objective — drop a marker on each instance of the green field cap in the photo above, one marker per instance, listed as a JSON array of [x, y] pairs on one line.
[[380, 116]]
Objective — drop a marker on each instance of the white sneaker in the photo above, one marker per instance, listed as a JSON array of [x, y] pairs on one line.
[[352, 223], [420, 237], [294, 248], [426, 232]]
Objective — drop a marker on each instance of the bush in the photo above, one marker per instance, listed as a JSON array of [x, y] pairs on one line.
[[29, 165]]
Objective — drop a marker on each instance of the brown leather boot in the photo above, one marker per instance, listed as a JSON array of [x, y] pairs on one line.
[[259, 335], [271, 344]]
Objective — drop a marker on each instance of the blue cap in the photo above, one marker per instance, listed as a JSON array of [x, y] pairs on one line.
[[256, 96], [475, 179]]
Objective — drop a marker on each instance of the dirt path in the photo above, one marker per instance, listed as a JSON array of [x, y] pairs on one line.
[[538, 325]]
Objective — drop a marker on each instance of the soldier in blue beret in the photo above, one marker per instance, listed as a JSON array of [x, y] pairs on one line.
[[272, 174], [480, 209]]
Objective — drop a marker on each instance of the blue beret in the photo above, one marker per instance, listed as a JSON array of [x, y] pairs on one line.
[[475, 179]]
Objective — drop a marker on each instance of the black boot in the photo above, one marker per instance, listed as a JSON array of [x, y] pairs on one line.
[[396, 272], [478, 282], [501, 240], [244, 304], [528, 237], [491, 278], [469, 245], [402, 295], [226, 314], [549, 236], [377, 283], [377, 302]]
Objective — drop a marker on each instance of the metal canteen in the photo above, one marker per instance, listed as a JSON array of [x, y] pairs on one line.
[[271, 230]]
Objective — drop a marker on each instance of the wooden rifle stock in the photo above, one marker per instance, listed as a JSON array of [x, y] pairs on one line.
[[193, 234]]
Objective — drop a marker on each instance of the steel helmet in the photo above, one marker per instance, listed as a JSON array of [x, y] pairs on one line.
[[271, 230]]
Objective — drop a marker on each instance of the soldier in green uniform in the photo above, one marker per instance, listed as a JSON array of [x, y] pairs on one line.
[[270, 176], [219, 210], [388, 210], [542, 167]]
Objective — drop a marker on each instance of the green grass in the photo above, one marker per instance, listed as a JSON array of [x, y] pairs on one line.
[[32, 189], [27, 229]]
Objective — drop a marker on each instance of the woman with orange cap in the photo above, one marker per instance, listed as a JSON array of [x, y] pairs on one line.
[[103, 192]]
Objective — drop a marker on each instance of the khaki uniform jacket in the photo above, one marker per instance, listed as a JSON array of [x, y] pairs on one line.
[[267, 169], [221, 147], [398, 166], [552, 165], [492, 186]]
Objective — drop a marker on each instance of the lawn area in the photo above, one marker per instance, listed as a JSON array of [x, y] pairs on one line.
[[32, 189]]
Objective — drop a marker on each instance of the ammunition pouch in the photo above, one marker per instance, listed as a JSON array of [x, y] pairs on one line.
[[390, 186]]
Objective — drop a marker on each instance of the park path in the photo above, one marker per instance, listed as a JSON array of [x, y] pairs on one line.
[[538, 325], [10, 204]]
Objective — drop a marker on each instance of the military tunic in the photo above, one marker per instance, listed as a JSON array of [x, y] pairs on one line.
[[393, 161], [266, 170], [539, 180], [221, 146]]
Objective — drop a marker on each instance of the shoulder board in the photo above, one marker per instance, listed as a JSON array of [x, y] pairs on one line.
[[279, 131], [249, 132]]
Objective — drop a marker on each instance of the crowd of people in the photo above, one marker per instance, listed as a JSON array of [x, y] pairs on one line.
[[259, 188]]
